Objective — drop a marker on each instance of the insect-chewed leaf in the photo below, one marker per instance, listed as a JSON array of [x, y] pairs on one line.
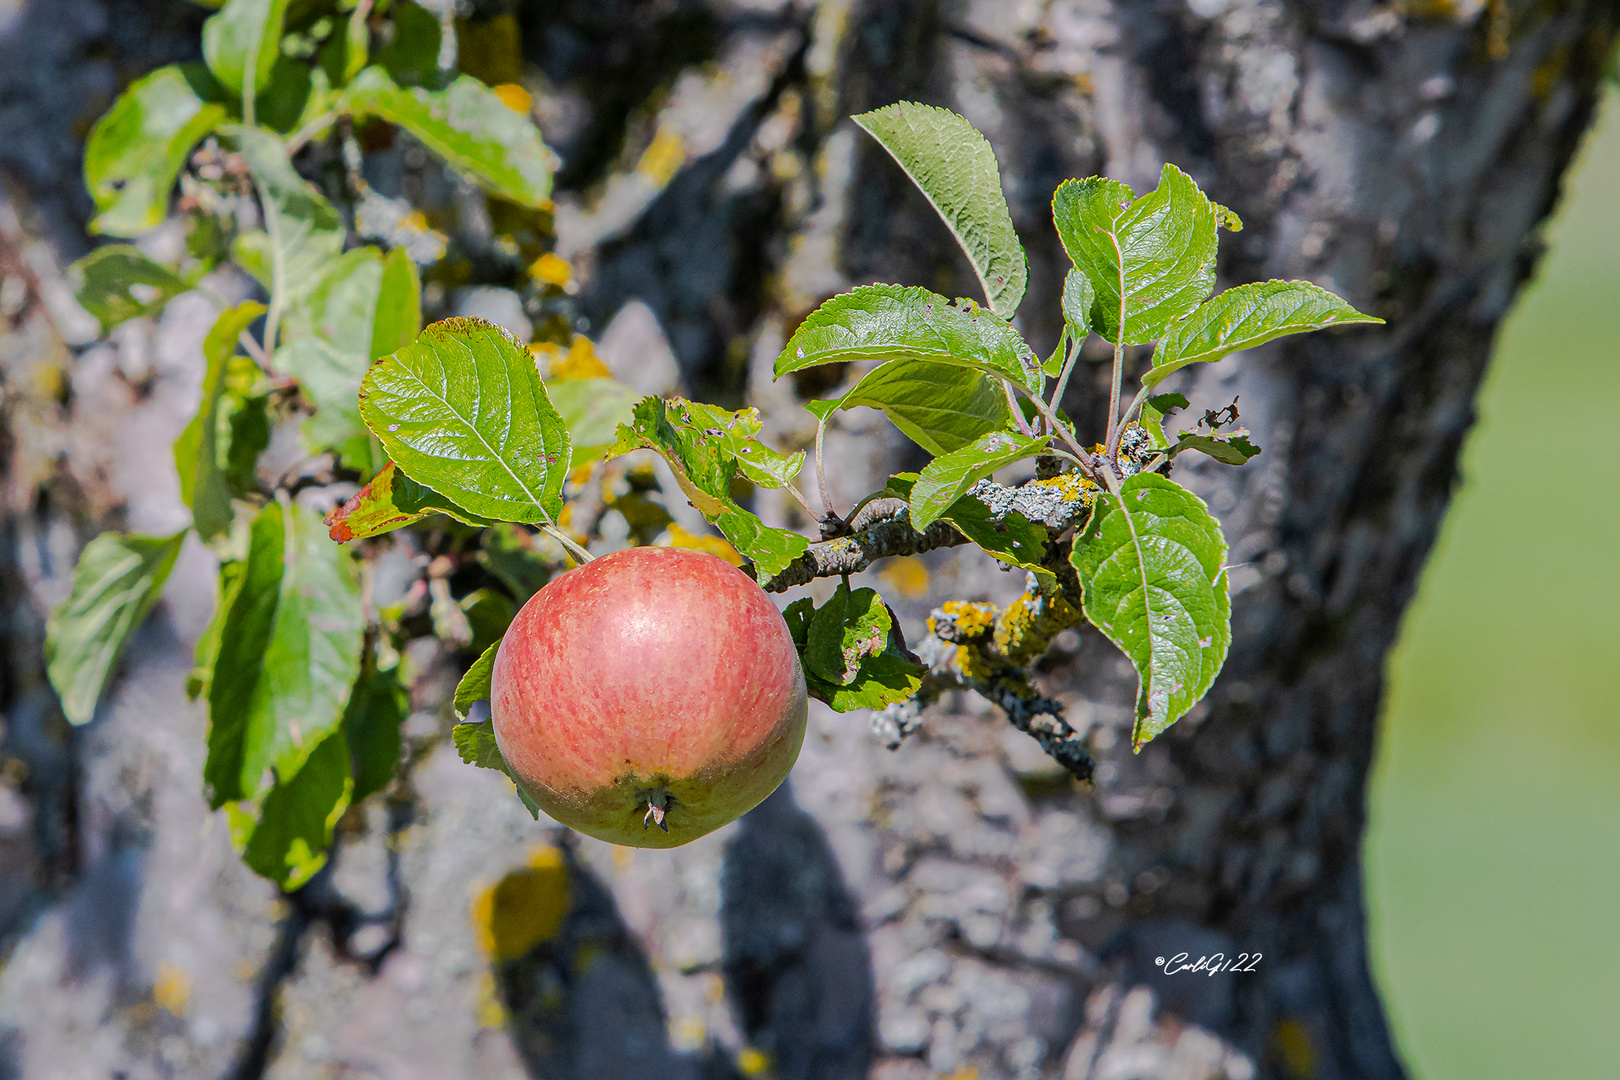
[[115, 582], [390, 501], [476, 745], [592, 409], [287, 656], [468, 126], [945, 479], [852, 652], [138, 148], [954, 166], [1246, 316], [897, 322], [1150, 260], [242, 42], [303, 233], [1154, 410], [704, 465], [1227, 447], [203, 483], [288, 839], [735, 432], [118, 282], [1150, 571], [464, 412], [940, 407]]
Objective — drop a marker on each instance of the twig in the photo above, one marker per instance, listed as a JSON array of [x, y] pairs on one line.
[[1111, 451], [1018, 414]]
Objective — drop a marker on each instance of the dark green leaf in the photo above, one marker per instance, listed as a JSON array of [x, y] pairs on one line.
[[117, 283], [115, 582], [137, 149], [1230, 448], [1151, 260], [893, 322], [940, 407], [291, 96], [412, 53], [303, 233], [592, 409], [371, 721], [206, 652], [392, 500], [945, 479], [289, 840], [288, 655], [467, 126], [1150, 567], [203, 483], [241, 44], [244, 434], [1154, 410], [848, 629], [886, 673], [474, 685], [464, 412], [488, 614], [1247, 316], [956, 169]]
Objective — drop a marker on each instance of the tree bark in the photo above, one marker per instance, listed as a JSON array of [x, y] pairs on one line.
[[957, 903]]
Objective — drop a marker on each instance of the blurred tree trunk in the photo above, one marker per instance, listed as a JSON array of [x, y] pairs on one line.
[[954, 904]]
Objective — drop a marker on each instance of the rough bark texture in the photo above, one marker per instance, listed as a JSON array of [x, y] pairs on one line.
[[957, 904]]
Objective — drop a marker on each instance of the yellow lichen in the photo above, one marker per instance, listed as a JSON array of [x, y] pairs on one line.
[[1030, 623], [973, 619], [577, 361], [551, 269], [663, 158], [906, 576], [514, 97]]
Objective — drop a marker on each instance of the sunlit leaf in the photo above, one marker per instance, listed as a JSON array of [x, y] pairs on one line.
[[592, 410], [115, 582], [954, 166], [242, 42], [946, 478], [894, 322], [474, 685], [1151, 573], [203, 483], [476, 745], [940, 407], [853, 628], [463, 411], [292, 833], [303, 233]]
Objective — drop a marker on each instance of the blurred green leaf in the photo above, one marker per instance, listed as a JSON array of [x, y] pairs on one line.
[[940, 407], [1156, 252], [390, 501], [244, 433], [206, 651], [377, 707], [292, 833], [954, 166], [411, 55], [894, 322], [488, 613], [135, 152], [115, 582], [291, 95], [1151, 574], [203, 483], [592, 409], [946, 478], [1227, 447], [1247, 316], [468, 126], [242, 42], [289, 653], [117, 283], [508, 552], [463, 411], [303, 233]]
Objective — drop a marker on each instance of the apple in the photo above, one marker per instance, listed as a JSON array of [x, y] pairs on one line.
[[649, 697]]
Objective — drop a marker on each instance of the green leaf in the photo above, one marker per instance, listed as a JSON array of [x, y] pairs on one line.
[[1154, 410], [735, 431], [885, 675], [412, 54], [474, 685], [138, 148], [289, 652], [293, 96], [945, 479], [940, 407], [118, 283], [377, 707], [508, 552], [704, 466], [1150, 567], [115, 582], [467, 126], [206, 651], [303, 233], [463, 411], [241, 44], [203, 483], [1246, 316], [1151, 260], [1229, 448], [954, 166], [293, 832], [894, 322], [592, 410], [1079, 297], [391, 501], [244, 429], [476, 745]]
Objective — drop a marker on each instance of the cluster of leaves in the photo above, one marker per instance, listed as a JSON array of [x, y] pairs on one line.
[[303, 682]]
